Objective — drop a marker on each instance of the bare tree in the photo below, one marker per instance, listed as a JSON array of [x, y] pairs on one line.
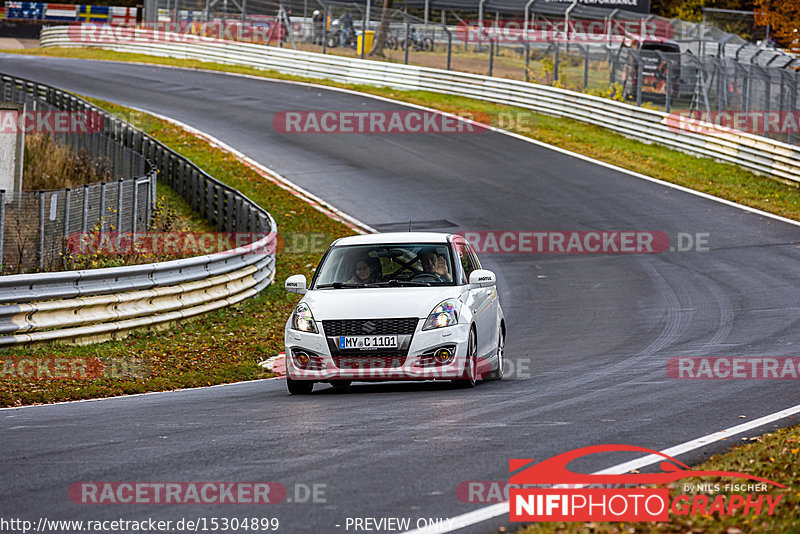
[[383, 30]]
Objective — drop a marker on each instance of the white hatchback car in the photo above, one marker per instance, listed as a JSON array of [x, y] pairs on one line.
[[395, 306]]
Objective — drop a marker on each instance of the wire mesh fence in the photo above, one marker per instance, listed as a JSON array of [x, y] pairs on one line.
[[684, 66], [599, 25], [35, 226]]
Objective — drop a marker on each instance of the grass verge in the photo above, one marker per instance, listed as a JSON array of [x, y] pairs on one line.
[[225, 346], [775, 456], [702, 174]]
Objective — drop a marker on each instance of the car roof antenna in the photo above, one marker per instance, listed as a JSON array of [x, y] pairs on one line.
[[409, 225]]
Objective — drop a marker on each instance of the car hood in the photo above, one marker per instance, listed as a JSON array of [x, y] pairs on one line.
[[377, 303]]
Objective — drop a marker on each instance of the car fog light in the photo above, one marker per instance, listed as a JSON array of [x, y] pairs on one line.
[[301, 358], [443, 355]]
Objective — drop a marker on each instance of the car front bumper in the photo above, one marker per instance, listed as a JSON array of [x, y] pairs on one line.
[[362, 366]]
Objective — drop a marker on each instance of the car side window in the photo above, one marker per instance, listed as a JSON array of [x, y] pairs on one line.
[[464, 256], [475, 259]]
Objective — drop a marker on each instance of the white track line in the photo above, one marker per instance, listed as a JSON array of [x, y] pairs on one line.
[[477, 516]]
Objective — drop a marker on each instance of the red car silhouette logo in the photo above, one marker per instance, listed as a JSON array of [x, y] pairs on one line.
[[554, 470]]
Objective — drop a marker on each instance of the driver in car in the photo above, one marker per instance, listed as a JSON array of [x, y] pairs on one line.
[[435, 264], [367, 271]]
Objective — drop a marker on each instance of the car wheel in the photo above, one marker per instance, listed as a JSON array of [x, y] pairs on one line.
[[471, 373], [497, 374], [341, 385], [299, 387]]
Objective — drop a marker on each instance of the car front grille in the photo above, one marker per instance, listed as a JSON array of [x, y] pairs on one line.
[[368, 327]]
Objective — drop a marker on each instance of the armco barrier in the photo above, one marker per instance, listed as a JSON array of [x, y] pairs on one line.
[[98, 304], [759, 154]]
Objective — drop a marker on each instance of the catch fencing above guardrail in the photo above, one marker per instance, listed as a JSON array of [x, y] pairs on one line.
[[98, 304], [34, 225], [776, 159], [575, 46]]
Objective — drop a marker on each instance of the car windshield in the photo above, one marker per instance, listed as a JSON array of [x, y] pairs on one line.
[[395, 265], [662, 47]]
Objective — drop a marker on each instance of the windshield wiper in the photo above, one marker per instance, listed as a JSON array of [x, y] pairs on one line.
[[340, 285], [401, 283], [390, 283]]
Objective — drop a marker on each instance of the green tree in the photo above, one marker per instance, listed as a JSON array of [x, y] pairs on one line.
[[783, 17]]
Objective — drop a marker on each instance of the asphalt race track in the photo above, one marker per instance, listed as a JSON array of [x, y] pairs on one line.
[[589, 334]]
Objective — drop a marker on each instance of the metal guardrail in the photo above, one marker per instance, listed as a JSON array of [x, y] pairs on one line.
[[98, 304], [776, 159]]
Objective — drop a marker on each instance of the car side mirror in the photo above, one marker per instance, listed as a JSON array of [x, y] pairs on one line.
[[296, 284], [481, 278]]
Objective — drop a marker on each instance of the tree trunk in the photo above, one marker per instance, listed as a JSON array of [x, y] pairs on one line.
[[383, 30]]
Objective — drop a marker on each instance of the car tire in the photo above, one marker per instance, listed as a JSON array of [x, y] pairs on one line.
[[469, 378], [299, 387], [341, 385], [497, 374]]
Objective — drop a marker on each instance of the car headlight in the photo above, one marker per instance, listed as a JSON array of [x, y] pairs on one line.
[[444, 314], [303, 320]]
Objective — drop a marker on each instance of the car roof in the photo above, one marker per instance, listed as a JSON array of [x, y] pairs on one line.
[[393, 237]]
